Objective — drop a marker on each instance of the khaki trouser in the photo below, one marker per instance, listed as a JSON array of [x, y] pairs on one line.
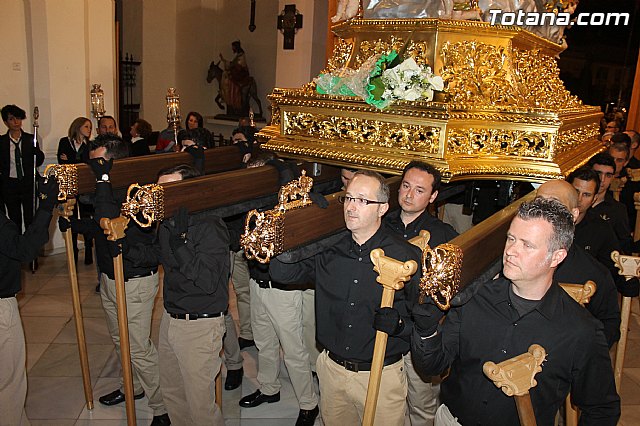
[[232, 356], [276, 319], [309, 326], [190, 362], [240, 280], [343, 394], [422, 396], [13, 377], [140, 293]]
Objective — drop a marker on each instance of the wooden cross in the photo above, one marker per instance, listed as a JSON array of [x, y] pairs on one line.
[[289, 21]]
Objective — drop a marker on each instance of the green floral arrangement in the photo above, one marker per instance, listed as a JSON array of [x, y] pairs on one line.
[[383, 79]]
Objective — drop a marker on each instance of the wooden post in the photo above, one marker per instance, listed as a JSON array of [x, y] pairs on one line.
[[115, 230], [628, 267], [515, 376], [66, 210], [391, 274], [636, 203]]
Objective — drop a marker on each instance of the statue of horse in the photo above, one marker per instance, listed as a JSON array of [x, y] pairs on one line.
[[249, 91]]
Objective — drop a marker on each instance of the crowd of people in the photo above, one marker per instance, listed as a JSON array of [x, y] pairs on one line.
[[322, 310]]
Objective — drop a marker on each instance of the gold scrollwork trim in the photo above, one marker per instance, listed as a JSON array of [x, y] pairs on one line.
[[520, 143], [531, 174], [374, 133], [569, 139], [144, 204]]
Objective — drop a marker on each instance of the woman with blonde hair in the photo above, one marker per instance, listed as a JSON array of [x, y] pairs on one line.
[[73, 149]]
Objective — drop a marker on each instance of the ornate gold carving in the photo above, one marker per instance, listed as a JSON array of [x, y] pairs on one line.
[[441, 274], [368, 48], [492, 141], [476, 73], [515, 376], [392, 273], [341, 53], [295, 194], [67, 177], [569, 139], [581, 293], [144, 204], [537, 79], [266, 238], [413, 137], [481, 74]]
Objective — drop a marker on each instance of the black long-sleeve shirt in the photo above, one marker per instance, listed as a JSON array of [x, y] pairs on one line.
[[615, 213], [347, 293], [16, 248], [488, 328], [107, 206], [440, 232], [577, 268], [196, 275]]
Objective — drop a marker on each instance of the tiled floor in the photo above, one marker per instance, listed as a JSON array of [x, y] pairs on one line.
[[55, 395]]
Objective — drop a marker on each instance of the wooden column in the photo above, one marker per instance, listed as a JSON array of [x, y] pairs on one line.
[[331, 37], [633, 120]]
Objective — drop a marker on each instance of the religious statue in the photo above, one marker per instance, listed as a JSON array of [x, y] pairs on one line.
[[236, 85]]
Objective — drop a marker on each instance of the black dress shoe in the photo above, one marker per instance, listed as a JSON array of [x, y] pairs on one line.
[[234, 379], [245, 343], [116, 397], [307, 417], [258, 398], [162, 420]]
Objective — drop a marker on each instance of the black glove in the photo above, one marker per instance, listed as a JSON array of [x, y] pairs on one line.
[[426, 317], [388, 321], [47, 193], [65, 224], [286, 171], [178, 232], [197, 152], [319, 200], [100, 167], [629, 288]]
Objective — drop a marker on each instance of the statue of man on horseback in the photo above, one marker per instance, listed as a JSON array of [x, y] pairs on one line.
[[236, 87]]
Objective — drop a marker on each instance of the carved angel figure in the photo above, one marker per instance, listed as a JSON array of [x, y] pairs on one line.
[[347, 9]]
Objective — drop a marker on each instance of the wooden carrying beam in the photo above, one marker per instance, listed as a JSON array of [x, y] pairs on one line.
[[145, 169], [225, 189]]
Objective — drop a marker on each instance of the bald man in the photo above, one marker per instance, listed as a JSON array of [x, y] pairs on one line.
[[579, 266]]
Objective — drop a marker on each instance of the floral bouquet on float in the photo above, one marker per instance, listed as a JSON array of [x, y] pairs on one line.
[[383, 79]]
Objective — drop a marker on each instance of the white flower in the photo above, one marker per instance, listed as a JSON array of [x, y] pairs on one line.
[[412, 94], [409, 65], [436, 82]]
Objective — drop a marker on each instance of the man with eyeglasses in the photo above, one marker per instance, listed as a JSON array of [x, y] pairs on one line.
[[347, 308], [604, 205], [419, 188]]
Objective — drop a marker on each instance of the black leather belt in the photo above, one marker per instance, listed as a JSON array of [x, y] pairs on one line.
[[192, 317], [143, 275], [7, 297], [361, 366], [263, 283]]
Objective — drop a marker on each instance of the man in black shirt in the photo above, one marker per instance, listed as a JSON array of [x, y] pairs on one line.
[[579, 266], [347, 308], [194, 252], [419, 188], [141, 281], [506, 316], [15, 249], [605, 206]]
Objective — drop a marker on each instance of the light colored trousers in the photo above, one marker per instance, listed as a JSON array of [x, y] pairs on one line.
[[343, 394], [232, 356], [189, 362], [276, 319], [309, 326], [423, 397], [13, 377], [140, 294], [240, 281]]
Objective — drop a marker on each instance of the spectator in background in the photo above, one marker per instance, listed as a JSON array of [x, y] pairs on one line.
[[140, 132], [107, 124], [243, 139]]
